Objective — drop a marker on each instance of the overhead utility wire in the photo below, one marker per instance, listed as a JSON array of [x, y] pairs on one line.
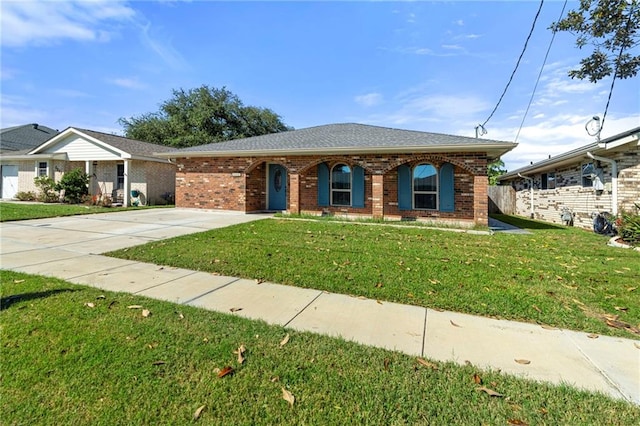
[[544, 62], [615, 71], [517, 64]]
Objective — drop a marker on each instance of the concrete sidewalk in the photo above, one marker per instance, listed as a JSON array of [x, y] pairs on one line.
[[64, 248]]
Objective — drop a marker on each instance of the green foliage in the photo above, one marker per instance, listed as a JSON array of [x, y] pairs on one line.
[[47, 187], [612, 27], [494, 170], [201, 116], [67, 363], [629, 227], [75, 185], [26, 196]]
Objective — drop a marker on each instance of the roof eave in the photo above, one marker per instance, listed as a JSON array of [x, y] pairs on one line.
[[54, 156], [495, 149]]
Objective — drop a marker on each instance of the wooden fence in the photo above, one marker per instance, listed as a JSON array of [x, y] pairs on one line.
[[502, 199]]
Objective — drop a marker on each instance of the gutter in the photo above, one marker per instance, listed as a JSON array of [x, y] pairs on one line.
[[614, 180], [531, 187]]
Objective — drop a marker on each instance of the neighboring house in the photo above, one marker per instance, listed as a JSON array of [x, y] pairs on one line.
[[343, 169], [601, 176], [116, 165], [15, 141]]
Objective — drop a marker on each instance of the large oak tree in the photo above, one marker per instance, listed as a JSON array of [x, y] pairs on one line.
[[612, 28], [201, 116]]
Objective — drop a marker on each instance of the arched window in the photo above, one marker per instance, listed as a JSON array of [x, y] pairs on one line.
[[341, 185], [425, 187]]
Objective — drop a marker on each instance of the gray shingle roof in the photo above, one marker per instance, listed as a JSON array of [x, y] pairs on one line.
[[342, 136], [25, 137], [131, 146]]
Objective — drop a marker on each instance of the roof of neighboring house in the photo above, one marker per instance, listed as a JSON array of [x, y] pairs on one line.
[[602, 148], [345, 138], [128, 148], [25, 137]]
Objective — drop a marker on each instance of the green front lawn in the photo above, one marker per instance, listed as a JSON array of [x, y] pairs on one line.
[[20, 211], [78, 355], [564, 277]]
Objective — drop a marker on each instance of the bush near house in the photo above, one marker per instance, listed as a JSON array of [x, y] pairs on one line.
[[75, 184], [26, 196], [47, 187], [628, 225]]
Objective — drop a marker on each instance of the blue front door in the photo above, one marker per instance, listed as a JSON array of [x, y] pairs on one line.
[[277, 198]]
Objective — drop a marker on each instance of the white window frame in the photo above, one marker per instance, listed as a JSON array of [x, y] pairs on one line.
[[583, 177], [414, 192], [332, 190], [117, 187], [38, 169]]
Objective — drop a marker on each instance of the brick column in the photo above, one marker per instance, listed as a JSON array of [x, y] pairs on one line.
[[377, 196], [480, 200], [294, 193]]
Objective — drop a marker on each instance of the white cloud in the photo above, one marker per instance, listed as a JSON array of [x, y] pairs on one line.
[[368, 100], [460, 22], [46, 22], [128, 83]]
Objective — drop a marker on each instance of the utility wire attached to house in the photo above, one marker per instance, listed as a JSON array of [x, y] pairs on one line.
[[516, 68], [544, 63]]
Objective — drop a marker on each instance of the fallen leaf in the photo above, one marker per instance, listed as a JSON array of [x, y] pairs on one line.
[[548, 327], [235, 309], [454, 324], [134, 306], [477, 379], [523, 361], [18, 281], [90, 305], [288, 396], [536, 308], [378, 302], [146, 313], [632, 288], [636, 345], [225, 372], [240, 352], [274, 379], [102, 296], [285, 340], [180, 315], [158, 363], [427, 364], [112, 303], [621, 308], [196, 414], [544, 410], [517, 422], [592, 336], [386, 364], [379, 285], [259, 281], [489, 392]]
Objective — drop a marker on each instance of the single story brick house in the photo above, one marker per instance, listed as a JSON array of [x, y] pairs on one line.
[[342, 169], [600, 176], [115, 164]]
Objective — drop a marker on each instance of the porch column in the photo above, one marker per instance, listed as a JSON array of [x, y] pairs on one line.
[[127, 184], [481, 200], [294, 193], [377, 196], [89, 169]]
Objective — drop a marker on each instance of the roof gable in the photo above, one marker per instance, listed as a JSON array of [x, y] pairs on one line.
[[25, 137]]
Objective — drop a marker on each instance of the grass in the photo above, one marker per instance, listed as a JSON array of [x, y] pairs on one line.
[[20, 211], [563, 277], [64, 362]]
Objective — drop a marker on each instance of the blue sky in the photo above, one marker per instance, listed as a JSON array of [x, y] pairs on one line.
[[436, 66]]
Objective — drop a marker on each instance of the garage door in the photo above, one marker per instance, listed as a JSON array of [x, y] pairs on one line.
[[9, 181]]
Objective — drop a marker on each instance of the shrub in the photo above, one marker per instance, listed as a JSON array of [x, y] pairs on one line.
[[47, 187], [26, 196], [629, 227], [75, 185]]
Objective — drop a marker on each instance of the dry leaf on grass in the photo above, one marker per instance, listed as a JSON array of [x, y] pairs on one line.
[[621, 308], [517, 422], [225, 372], [536, 308], [387, 361], [489, 392], [18, 281], [235, 309], [592, 336], [146, 313], [196, 414], [477, 379], [102, 296], [523, 361], [90, 305], [454, 324], [112, 303], [160, 362], [427, 364], [240, 352], [288, 396], [285, 340], [548, 327], [134, 306]]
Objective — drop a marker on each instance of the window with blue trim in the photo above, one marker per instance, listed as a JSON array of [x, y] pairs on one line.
[[341, 185], [425, 187]]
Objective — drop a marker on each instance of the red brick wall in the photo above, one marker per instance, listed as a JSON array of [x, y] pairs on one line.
[[240, 183]]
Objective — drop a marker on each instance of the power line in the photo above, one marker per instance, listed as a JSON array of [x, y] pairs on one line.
[[517, 64], [544, 62]]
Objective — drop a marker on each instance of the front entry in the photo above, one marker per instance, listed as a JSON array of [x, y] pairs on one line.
[[277, 187]]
